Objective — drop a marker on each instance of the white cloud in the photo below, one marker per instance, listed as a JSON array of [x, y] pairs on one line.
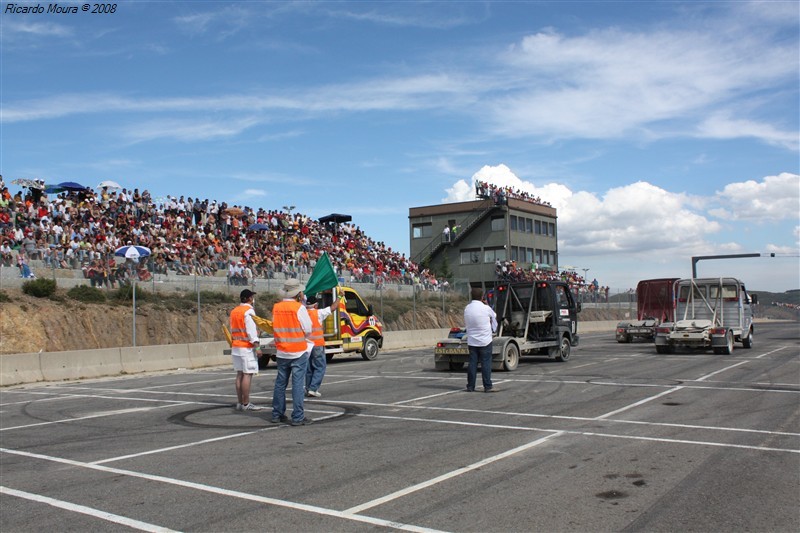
[[612, 83], [631, 219], [774, 198], [36, 29], [719, 126], [254, 192], [187, 130]]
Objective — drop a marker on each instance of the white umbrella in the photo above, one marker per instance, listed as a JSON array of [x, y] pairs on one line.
[[132, 252], [108, 184]]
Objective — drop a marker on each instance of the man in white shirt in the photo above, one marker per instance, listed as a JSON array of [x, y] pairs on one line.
[[480, 321]]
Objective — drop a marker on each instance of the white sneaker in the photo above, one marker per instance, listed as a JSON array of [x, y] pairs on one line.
[[251, 407], [239, 407], [314, 393]]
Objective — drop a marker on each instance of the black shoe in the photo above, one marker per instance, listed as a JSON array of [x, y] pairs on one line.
[[304, 422], [280, 419], [469, 390]]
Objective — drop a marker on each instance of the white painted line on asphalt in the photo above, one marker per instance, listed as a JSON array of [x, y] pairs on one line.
[[771, 352], [583, 365], [206, 441], [97, 415], [331, 382], [82, 509], [563, 417], [450, 475], [721, 370], [179, 446], [227, 492], [228, 378], [578, 432], [637, 404], [412, 400], [684, 441]]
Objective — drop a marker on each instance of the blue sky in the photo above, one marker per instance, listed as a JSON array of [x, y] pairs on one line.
[[659, 130]]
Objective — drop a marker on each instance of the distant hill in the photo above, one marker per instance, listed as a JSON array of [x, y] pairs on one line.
[[788, 297]]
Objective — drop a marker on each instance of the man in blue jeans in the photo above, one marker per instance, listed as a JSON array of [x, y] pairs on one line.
[[292, 328], [481, 322]]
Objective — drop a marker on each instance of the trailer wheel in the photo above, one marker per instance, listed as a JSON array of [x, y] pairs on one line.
[[510, 357], [665, 348], [370, 349], [455, 366], [728, 348], [747, 342], [624, 339], [562, 351]]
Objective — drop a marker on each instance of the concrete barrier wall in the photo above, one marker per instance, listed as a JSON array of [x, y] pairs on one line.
[[397, 340], [155, 358], [20, 368], [17, 369], [78, 364]]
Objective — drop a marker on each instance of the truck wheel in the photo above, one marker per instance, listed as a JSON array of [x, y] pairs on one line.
[[370, 349], [624, 339], [561, 352], [747, 342], [510, 357], [728, 348], [328, 357], [455, 366], [664, 348]]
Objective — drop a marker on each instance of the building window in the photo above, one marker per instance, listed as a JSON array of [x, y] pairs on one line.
[[515, 253], [529, 255], [470, 257], [538, 227], [498, 223], [538, 256], [551, 229], [490, 255], [512, 222], [528, 225], [422, 231]]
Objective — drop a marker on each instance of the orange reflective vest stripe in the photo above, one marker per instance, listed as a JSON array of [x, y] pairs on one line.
[[316, 328], [238, 328], [289, 335]]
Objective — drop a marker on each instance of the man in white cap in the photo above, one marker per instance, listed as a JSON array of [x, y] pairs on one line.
[[244, 335], [292, 329]]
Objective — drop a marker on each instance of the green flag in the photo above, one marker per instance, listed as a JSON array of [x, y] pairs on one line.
[[323, 277]]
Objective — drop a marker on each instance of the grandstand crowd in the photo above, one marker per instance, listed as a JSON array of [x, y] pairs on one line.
[[81, 229]]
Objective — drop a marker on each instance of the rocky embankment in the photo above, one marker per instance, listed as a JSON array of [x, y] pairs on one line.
[[29, 324]]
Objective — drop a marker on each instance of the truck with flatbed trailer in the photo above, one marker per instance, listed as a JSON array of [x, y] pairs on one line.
[[654, 305], [709, 313], [535, 318]]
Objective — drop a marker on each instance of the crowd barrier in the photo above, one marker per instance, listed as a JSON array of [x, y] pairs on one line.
[[21, 368]]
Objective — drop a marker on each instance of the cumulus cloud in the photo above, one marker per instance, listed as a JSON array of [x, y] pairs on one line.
[[630, 219], [772, 199]]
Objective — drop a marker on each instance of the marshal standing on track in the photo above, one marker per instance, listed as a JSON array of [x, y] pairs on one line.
[[480, 321]]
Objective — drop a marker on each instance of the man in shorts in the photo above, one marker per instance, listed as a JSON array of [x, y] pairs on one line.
[[244, 345]]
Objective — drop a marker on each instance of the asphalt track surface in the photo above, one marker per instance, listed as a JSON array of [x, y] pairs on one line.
[[617, 438]]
